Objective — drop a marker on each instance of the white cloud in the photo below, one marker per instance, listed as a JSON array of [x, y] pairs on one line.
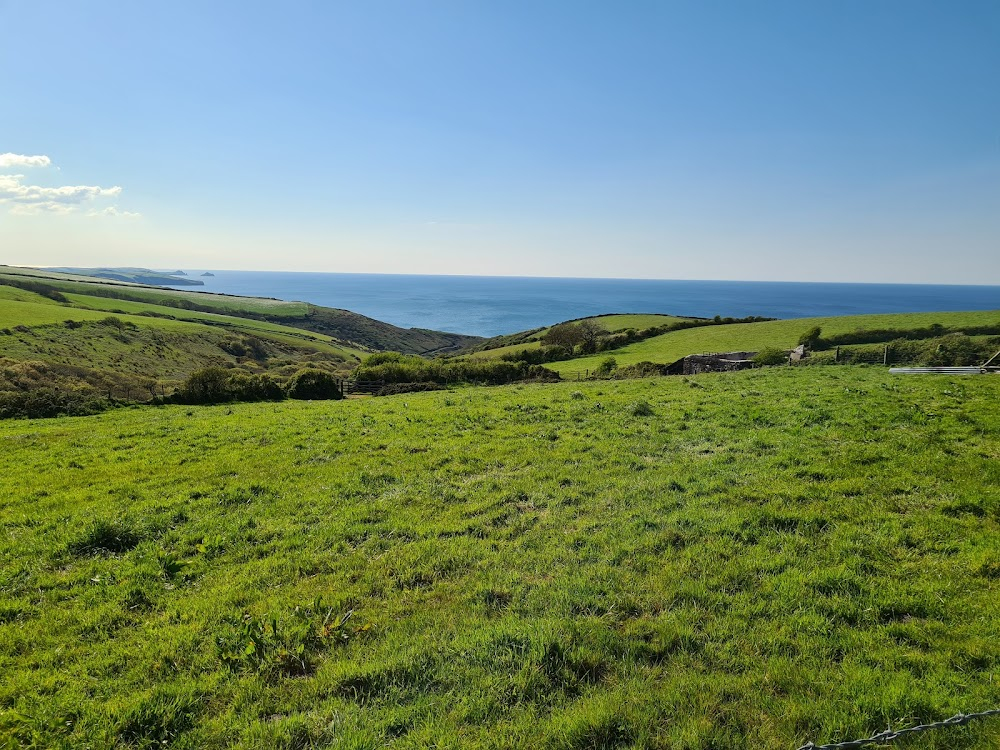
[[18, 160], [25, 199], [115, 211], [33, 199]]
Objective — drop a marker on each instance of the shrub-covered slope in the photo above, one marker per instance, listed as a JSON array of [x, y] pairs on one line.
[[755, 560]]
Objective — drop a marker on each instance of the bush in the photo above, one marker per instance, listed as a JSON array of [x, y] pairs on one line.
[[248, 346], [640, 370], [770, 356], [399, 368], [48, 402], [244, 386], [951, 350], [311, 383], [607, 366], [216, 385], [208, 386]]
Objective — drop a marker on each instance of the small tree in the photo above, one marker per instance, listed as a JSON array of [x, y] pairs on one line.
[[566, 335]]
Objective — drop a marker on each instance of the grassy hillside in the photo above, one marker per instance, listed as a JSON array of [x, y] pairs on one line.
[[75, 348], [500, 345], [347, 327], [747, 560], [783, 334]]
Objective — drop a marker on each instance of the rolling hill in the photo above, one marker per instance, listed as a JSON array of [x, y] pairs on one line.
[[351, 329]]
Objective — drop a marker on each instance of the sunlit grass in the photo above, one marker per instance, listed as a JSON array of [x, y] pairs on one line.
[[782, 334], [745, 560]]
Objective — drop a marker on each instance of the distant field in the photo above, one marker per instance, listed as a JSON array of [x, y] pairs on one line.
[[501, 350], [751, 560], [621, 322], [29, 309], [754, 336], [611, 323]]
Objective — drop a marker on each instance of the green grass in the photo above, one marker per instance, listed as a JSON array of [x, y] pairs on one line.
[[275, 331], [749, 560], [29, 309], [611, 323], [782, 334], [639, 321], [502, 350]]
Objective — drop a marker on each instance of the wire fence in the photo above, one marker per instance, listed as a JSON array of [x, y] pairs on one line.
[[889, 735]]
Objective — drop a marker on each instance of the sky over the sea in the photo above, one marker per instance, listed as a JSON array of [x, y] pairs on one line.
[[835, 140]]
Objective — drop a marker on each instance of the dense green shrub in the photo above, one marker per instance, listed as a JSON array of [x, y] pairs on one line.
[[893, 335], [207, 386], [245, 386], [311, 383], [399, 368], [49, 402], [639, 370], [770, 356], [607, 366], [216, 385], [951, 350], [247, 346]]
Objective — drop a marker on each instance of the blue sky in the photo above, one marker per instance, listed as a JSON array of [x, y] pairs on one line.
[[840, 141]]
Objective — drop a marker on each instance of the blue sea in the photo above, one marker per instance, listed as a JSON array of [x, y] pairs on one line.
[[491, 305]]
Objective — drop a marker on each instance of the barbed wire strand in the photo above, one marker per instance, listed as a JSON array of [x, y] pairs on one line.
[[889, 735]]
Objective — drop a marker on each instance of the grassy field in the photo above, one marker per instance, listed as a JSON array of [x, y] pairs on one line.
[[754, 559], [351, 329], [782, 334], [638, 321], [610, 323]]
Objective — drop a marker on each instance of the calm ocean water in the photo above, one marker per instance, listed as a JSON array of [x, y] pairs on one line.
[[491, 305]]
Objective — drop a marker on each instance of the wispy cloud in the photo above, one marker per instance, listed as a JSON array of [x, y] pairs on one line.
[[25, 199], [115, 211], [9, 160]]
